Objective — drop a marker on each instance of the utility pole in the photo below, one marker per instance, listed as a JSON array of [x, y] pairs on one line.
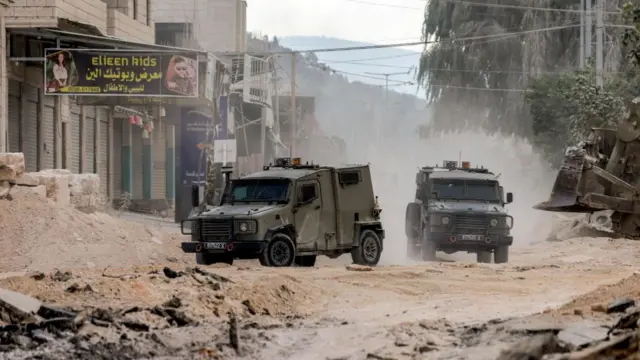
[[378, 138], [588, 28], [582, 40], [599, 40], [293, 126]]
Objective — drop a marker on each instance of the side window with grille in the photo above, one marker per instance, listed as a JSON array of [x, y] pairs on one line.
[[349, 178]]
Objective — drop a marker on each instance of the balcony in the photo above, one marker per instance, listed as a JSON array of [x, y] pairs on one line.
[[45, 13]]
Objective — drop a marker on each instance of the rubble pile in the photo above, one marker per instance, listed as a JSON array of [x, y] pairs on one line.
[[58, 185], [169, 312]]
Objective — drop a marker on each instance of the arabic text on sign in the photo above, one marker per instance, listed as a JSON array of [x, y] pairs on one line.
[[123, 88], [116, 74]]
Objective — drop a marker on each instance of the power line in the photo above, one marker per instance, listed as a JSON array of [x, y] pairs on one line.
[[477, 88], [368, 64], [415, 43], [471, 3]]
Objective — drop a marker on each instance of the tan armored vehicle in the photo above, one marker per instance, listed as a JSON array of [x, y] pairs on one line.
[[288, 214]]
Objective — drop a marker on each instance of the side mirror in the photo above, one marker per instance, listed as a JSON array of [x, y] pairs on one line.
[[434, 194], [509, 198], [195, 196]]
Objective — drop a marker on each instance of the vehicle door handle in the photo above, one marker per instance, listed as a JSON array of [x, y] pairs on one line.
[[317, 207]]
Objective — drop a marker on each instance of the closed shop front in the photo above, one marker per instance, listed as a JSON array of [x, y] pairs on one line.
[[159, 168], [30, 127], [103, 160], [14, 116], [48, 122], [90, 145], [74, 144], [138, 165], [117, 158]]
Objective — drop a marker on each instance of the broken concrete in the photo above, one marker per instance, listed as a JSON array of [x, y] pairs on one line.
[[26, 179], [14, 160], [18, 308], [5, 188], [7, 173], [57, 186]]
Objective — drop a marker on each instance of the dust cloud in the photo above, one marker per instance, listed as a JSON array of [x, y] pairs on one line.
[[394, 165]]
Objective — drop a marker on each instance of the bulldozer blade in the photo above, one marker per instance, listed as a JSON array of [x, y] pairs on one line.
[[564, 195]]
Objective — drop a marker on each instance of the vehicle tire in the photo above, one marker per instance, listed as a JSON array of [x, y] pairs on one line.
[[413, 251], [209, 259], [306, 261], [429, 248], [280, 251], [369, 250], [484, 257], [501, 255]]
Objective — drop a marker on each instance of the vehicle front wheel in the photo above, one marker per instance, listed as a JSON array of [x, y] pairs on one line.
[[501, 255], [280, 251], [210, 259], [369, 251], [484, 257]]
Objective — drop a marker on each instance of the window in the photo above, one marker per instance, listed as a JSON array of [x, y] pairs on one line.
[[259, 190], [307, 193], [349, 177]]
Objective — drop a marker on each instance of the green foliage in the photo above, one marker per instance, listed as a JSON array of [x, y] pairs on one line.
[[565, 107]]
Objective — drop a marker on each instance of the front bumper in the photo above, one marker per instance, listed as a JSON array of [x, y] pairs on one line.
[[453, 240], [238, 249]]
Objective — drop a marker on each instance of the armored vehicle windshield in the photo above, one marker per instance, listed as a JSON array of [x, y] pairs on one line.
[[253, 190], [465, 189]]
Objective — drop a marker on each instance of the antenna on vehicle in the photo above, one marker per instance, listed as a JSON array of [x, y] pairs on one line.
[[459, 158]]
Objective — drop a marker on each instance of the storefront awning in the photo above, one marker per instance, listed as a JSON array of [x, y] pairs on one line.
[[66, 38]]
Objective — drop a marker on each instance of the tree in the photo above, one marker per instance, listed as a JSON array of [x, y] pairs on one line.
[[487, 74], [564, 107]]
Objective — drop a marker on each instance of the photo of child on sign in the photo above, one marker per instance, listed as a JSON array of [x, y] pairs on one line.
[[60, 71], [181, 76]]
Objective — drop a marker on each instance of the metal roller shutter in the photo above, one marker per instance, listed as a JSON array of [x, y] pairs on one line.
[[117, 159], [30, 132], [75, 137], [159, 155], [14, 116], [48, 120], [90, 146], [136, 150], [103, 161]]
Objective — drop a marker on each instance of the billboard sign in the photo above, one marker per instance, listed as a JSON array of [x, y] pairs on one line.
[[104, 72], [195, 126]]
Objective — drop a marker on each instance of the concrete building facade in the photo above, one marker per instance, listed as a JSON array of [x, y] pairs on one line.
[[68, 132]]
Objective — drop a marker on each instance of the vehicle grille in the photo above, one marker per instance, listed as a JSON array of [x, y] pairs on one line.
[[213, 228], [471, 224]]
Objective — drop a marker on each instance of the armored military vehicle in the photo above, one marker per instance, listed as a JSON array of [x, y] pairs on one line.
[[289, 213], [458, 208]]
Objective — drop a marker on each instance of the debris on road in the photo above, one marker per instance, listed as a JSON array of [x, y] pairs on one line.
[[355, 267]]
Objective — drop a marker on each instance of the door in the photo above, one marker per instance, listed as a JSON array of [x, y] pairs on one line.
[[328, 235], [76, 129], [90, 137], [30, 128], [307, 215], [48, 120], [14, 116]]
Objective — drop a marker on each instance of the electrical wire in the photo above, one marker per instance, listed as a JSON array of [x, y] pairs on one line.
[[471, 3]]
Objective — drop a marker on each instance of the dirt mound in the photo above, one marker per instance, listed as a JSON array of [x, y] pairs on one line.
[[595, 300], [202, 293], [570, 227], [39, 235]]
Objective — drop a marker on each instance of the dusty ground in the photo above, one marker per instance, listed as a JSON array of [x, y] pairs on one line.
[[330, 312], [412, 311]]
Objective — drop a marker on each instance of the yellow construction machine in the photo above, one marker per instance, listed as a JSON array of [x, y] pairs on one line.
[[603, 173]]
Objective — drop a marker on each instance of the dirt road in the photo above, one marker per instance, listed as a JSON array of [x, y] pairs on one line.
[[329, 312]]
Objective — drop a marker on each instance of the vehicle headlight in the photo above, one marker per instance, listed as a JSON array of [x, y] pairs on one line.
[[245, 227], [494, 222], [445, 220]]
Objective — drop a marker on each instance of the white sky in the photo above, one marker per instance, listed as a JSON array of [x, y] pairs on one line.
[[358, 20]]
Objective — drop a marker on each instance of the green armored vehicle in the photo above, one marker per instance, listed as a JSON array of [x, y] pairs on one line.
[[290, 213], [458, 208]]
